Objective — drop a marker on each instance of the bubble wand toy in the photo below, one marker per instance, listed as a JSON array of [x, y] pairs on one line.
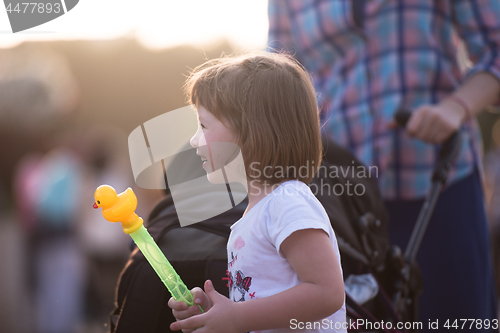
[[121, 208]]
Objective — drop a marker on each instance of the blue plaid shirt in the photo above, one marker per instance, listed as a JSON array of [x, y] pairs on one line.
[[403, 56]]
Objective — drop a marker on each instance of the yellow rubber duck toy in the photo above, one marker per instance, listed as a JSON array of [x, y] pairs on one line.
[[118, 207]]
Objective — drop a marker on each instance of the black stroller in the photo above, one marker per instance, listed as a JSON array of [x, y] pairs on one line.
[[365, 249], [382, 284]]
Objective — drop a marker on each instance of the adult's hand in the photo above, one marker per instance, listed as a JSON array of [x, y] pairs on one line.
[[435, 123]]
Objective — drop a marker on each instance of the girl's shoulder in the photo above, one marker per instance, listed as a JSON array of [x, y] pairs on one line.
[[292, 193], [292, 207], [294, 200], [291, 201]]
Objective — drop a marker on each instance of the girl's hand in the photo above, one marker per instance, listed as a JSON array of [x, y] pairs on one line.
[[181, 310], [435, 123], [220, 318]]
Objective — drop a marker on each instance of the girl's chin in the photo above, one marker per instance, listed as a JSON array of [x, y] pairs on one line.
[[215, 177]]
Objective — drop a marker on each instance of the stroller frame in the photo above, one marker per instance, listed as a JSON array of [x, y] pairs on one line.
[[408, 282]]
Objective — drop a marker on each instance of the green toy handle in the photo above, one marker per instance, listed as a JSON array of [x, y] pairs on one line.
[[162, 266]]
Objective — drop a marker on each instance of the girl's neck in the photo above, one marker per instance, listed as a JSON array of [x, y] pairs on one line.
[[256, 192]]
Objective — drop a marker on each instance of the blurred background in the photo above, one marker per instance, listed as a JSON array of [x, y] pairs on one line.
[[71, 91]]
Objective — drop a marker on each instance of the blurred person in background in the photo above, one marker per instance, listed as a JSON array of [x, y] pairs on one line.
[[52, 186], [37, 92], [370, 59]]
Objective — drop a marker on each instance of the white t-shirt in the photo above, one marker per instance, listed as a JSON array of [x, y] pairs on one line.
[[256, 266]]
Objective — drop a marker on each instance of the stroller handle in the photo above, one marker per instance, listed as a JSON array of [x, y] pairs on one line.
[[402, 116], [447, 154]]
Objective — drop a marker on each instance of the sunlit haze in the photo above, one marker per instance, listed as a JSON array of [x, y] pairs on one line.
[[156, 23]]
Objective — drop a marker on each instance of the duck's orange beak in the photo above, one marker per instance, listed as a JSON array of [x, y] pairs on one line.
[[95, 206]]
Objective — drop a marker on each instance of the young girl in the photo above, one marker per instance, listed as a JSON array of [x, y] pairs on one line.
[[284, 270]]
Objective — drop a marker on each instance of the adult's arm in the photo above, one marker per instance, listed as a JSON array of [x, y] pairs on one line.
[[478, 25]]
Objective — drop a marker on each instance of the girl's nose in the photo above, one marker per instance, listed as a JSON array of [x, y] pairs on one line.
[[195, 140]]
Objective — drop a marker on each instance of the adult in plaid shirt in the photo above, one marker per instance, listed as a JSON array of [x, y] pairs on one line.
[[370, 58]]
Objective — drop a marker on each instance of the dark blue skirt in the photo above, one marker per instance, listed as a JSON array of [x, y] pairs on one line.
[[454, 258]]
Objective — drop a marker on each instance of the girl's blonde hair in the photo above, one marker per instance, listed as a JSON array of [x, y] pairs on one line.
[[270, 104]]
